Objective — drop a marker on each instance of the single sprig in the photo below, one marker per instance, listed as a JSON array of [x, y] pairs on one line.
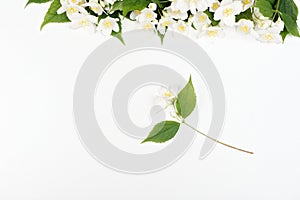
[[183, 104]]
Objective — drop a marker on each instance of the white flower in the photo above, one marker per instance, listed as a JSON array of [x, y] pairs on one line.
[[152, 6], [148, 26], [134, 14], [200, 20], [189, 5], [72, 10], [147, 15], [181, 27], [164, 23], [111, 2], [77, 2], [245, 26], [95, 7], [262, 24], [213, 5], [227, 11], [84, 21], [176, 14], [213, 32], [247, 4], [107, 25], [166, 97], [269, 36]]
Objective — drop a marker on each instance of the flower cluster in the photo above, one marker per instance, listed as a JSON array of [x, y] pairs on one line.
[[265, 20]]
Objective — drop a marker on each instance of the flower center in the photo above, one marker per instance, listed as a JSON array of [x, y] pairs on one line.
[[137, 12], [95, 9], [107, 24], [166, 23], [228, 12], [168, 94], [244, 29], [181, 28], [148, 26], [246, 2], [83, 22], [149, 15], [202, 18], [212, 33], [215, 6], [269, 37], [72, 10]]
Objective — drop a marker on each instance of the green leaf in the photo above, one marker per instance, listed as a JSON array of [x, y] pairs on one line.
[[265, 7], [37, 1], [130, 5], [289, 14], [186, 101], [245, 15], [211, 17], [52, 16], [163, 132], [284, 33], [118, 34]]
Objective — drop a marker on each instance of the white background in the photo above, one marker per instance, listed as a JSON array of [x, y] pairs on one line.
[[41, 156]]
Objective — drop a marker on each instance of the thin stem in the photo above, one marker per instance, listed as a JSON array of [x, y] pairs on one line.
[[213, 139], [276, 11]]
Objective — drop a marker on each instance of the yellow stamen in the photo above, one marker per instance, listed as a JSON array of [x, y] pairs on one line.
[[202, 18], [244, 29], [212, 33], [269, 37], [166, 23], [107, 24], [228, 12], [215, 6]]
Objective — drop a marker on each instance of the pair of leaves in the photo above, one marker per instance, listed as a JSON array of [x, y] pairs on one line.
[[286, 9], [185, 105]]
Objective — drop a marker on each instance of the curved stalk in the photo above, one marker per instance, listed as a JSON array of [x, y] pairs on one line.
[[215, 140]]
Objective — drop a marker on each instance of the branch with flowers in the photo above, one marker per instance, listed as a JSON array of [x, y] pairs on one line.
[[265, 20], [182, 105]]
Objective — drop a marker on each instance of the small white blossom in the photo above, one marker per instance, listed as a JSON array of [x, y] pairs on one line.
[[213, 5], [212, 32], [111, 2], [269, 36], [72, 10], [152, 6], [247, 4], [164, 23], [77, 2], [84, 21], [148, 26], [107, 25], [189, 5], [245, 26], [95, 7], [176, 14], [147, 15], [227, 11], [166, 97], [181, 27], [134, 14], [200, 20]]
